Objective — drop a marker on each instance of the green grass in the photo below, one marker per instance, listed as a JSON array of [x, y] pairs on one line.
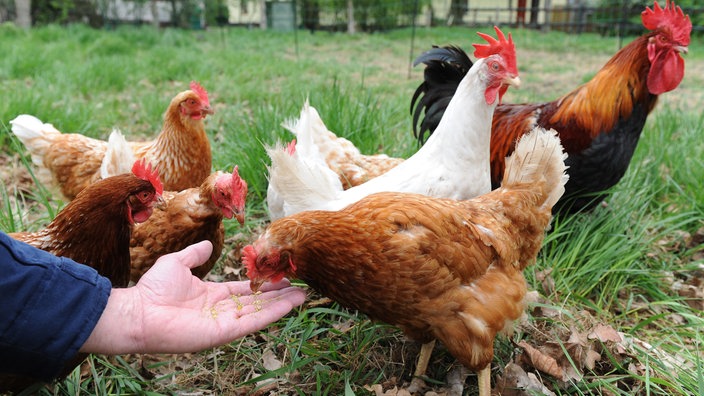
[[616, 266]]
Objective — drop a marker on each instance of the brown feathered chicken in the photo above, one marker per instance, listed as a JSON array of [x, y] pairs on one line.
[[599, 122], [94, 229], [72, 161], [187, 217], [437, 268]]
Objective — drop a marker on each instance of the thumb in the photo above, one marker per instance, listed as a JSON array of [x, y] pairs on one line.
[[195, 255]]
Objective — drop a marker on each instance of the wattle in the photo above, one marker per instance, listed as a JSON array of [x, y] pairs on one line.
[[491, 93], [142, 215], [666, 72]]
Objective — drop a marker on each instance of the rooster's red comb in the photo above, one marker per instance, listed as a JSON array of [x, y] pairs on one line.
[[670, 18], [144, 171], [239, 186], [502, 47], [201, 92]]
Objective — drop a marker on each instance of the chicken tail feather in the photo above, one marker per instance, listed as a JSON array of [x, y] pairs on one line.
[[33, 133], [301, 184], [538, 160], [119, 156]]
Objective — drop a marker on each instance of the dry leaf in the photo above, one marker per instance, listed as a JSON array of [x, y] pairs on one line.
[[270, 361], [604, 333], [542, 362], [516, 382], [591, 358]]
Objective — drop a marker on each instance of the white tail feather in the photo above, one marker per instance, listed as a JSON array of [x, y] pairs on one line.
[[119, 156], [33, 133], [538, 157], [305, 128], [297, 184]]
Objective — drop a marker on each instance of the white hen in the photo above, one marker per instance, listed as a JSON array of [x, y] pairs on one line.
[[454, 162]]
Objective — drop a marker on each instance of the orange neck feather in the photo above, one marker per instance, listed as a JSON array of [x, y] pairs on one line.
[[612, 94]]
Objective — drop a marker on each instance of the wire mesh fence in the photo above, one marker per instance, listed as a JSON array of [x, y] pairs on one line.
[[573, 16]]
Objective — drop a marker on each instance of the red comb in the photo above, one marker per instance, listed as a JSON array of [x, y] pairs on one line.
[[671, 18], [291, 147], [502, 47], [144, 171], [249, 259], [201, 92], [238, 185]]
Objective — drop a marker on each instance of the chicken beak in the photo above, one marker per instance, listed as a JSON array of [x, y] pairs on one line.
[[160, 202], [682, 49], [240, 217], [207, 110], [255, 284], [515, 81]]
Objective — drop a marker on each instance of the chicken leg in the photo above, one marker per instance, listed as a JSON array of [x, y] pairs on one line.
[[426, 351], [484, 380]]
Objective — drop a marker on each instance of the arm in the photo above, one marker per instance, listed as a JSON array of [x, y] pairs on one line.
[[172, 311], [49, 306]]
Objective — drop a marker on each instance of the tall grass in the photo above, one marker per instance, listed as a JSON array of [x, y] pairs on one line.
[[617, 263]]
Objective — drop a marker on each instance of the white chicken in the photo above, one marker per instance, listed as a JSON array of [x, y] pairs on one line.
[[454, 163]]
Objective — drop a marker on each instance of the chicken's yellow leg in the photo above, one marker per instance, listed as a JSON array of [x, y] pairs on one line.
[[423, 358], [417, 383], [484, 379]]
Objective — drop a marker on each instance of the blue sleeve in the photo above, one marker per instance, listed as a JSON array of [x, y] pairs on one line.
[[50, 305]]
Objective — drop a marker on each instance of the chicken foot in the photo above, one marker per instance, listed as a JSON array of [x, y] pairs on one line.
[[426, 350]]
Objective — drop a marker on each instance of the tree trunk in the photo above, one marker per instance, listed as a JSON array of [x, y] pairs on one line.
[[457, 10], [262, 18], [23, 9], [351, 24], [155, 13], [534, 11]]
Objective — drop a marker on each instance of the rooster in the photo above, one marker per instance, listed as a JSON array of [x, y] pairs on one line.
[[73, 161], [453, 164], [599, 123], [95, 228], [437, 268], [187, 217]]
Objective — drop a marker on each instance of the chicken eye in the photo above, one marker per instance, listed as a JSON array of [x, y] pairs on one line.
[[495, 66]]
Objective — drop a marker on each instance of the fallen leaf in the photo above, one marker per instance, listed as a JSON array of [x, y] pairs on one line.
[[542, 362], [516, 382], [604, 333], [591, 358], [270, 361]]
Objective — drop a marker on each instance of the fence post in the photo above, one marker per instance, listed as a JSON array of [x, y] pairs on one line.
[[351, 25], [548, 14]]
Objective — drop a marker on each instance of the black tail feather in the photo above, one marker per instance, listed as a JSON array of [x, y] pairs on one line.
[[444, 69]]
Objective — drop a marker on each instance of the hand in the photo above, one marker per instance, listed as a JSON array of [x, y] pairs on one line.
[[172, 311]]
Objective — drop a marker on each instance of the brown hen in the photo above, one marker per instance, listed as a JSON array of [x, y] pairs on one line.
[[187, 217], [437, 268], [71, 161]]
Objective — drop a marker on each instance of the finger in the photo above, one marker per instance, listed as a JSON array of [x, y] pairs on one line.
[[245, 305], [241, 288], [196, 254], [271, 312]]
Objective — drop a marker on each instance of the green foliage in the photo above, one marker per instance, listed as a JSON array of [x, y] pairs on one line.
[[65, 11]]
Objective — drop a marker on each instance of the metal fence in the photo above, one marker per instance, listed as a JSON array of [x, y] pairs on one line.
[[572, 16]]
